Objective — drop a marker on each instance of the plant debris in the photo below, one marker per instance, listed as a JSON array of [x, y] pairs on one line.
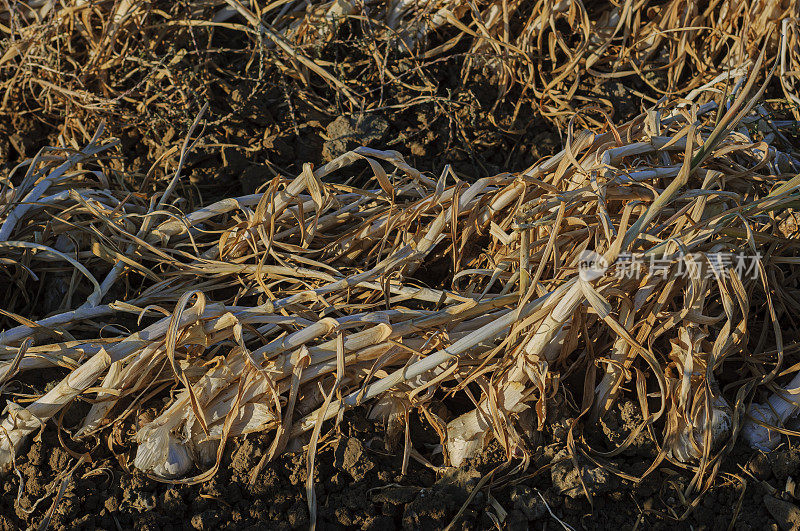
[[650, 262]]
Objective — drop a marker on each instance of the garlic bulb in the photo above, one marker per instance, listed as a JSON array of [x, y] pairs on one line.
[[161, 453], [690, 441], [391, 409], [776, 411], [689, 419], [466, 434], [692, 387], [757, 436]]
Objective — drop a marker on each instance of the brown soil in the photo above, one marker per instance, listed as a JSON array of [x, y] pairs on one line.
[[264, 126], [360, 485]]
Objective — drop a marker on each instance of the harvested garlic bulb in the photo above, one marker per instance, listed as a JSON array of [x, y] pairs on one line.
[[691, 384], [690, 441], [161, 453], [779, 408]]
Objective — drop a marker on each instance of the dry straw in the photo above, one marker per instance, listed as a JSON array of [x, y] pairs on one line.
[[76, 61], [276, 311]]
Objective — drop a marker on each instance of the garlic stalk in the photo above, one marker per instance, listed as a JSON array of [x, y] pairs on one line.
[[218, 390], [488, 331], [160, 450], [466, 433], [699, 405], [217, 394], [92, 148], [692, 418], [21, 422], [607, 389]]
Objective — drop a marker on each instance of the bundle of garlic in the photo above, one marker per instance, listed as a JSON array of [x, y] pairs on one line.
[[655, 250]]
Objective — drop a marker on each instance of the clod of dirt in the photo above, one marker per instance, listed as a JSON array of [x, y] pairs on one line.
[[297, 515], [349, 456], [58, 459], [527, 501], [394, 495], [516, 521], [138, 501], [245, 458], [208, 519], [760, 467], [378, 523], [618, 423], [171, 501], [784, 462], [254, 176], [251, 106], [461, 478], [434, 507], [786, 514], [567, 478], [427, 512], [348, 132]]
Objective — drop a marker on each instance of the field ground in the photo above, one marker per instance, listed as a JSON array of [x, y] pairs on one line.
[[266, 123]]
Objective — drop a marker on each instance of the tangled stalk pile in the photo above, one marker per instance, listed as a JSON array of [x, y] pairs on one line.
[[278, 310], [140, 60]]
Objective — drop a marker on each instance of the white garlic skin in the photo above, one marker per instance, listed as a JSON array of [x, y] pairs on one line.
[[779, 408], [176, 464], [757, 436], [721, 423], [161, 453]]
